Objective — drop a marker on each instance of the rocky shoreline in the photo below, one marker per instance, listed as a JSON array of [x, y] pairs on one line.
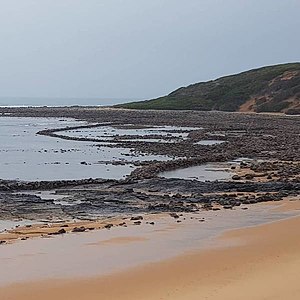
[[273, 173]]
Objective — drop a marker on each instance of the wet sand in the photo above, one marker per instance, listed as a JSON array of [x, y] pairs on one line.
[[256, 263], [44, 230]]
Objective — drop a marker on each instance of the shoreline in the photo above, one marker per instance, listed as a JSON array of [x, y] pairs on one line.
[[39, 230], [216, 256], [210, 244], [249, 265]]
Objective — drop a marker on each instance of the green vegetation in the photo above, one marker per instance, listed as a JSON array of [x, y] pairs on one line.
[[270, 86]]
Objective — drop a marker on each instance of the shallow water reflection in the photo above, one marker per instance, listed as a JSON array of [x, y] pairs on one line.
[[205, 172], [24, 155]]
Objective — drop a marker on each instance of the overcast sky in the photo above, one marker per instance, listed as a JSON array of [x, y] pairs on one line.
[[138, 48]]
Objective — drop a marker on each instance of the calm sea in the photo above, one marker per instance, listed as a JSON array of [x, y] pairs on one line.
[[60, 101]]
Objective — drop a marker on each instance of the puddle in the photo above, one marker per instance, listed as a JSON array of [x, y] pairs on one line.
[[205, 172], [209, 142], [45, 195], [11, 224]]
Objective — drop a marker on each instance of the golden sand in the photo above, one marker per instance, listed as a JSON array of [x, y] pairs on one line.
[[265, 265]]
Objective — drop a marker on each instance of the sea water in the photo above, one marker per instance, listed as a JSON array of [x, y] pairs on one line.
[[24, 155]]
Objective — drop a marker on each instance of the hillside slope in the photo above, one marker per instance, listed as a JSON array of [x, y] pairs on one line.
[[268, 89]]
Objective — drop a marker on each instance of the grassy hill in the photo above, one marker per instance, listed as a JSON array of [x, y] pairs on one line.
[[268, 89]]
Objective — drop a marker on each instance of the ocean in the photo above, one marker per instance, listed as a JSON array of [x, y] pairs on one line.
[[43, 101]]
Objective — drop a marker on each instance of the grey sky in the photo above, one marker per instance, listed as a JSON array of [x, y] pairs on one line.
[[138, 48]]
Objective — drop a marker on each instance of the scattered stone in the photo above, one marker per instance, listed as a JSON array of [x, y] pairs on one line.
[[108, 226], [79, 229], [137, 218], [248, 177], [227, 207], [174, 215]]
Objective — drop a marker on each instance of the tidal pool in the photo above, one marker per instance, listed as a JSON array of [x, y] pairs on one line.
[[209, 142], [205, 172]]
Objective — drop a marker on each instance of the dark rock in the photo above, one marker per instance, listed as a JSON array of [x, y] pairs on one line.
[[174, 215], [79, 229], [137, 218], [108, 226], [227, 207], [216, 208]]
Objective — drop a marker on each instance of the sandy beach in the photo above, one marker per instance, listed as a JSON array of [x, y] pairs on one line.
[[216, 224], [261, 262], [148, 151]]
